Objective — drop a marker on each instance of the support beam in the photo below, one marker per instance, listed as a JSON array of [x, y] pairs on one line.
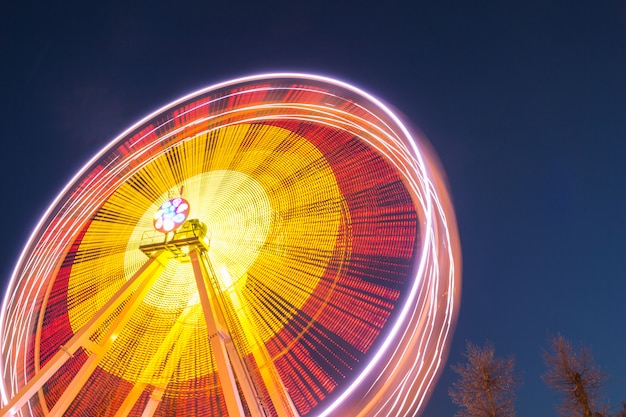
[[271, 379], [153, 402], [151, 268], [229, 362], [101, 349], [165, 353], [130, 400], [216, 340], [278, 393], [243, 375], [72, 390]]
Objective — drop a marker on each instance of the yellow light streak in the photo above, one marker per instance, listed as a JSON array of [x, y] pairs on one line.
[[268, 198]]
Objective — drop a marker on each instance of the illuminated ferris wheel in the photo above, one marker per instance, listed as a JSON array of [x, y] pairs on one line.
[[277, 245]]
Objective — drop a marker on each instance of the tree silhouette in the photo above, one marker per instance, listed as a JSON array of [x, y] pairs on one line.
[[574, 374], [486, 384]]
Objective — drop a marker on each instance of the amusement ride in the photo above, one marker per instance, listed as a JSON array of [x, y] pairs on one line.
[[274, 246]]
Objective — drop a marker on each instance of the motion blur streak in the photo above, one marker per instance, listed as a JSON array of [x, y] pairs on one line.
[[295, 175]]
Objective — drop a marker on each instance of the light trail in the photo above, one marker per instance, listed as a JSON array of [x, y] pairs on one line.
[[393, 369]]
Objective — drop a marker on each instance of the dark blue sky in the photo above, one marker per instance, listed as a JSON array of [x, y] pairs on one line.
[[525, 102]]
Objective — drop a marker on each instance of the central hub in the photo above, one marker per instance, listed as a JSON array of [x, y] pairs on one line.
[[192, 233], [171, 215]]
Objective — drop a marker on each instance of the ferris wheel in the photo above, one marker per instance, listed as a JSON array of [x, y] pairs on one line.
[[276, 245]]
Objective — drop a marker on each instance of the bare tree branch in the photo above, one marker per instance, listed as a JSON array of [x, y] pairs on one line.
[[574, 374], [486, 384]]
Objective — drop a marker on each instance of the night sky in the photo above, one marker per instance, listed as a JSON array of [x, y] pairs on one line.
[[524, 101]]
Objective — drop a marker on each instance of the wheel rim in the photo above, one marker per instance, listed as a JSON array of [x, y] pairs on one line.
[[343, 250]]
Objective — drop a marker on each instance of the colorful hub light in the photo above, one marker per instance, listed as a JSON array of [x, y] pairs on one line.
[[171, 215]]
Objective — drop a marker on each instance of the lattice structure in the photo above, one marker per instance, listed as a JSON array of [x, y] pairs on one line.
[[331, 241]]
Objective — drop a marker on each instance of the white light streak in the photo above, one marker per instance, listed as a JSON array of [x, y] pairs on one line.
[[400, 375]]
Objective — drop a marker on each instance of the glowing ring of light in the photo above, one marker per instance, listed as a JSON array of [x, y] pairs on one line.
[[371, 329]]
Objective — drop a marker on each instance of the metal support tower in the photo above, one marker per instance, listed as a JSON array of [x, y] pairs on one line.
[[188, 244]]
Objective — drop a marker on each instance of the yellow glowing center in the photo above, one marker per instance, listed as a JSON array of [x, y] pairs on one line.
[[273, 211], [237, 212]]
